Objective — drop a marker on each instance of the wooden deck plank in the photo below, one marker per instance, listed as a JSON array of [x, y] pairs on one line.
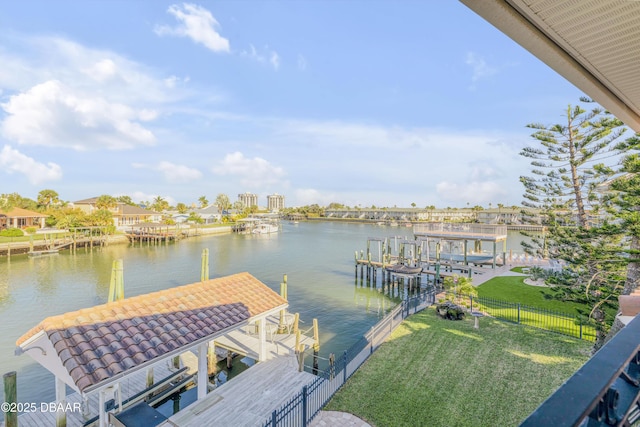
[[249, 398]]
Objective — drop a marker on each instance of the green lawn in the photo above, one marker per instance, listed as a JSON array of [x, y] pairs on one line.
[[435, 372], [513, 288]]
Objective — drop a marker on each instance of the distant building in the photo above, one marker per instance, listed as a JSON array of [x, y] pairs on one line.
[[248, 199], [21, 218], [123, 214], [275, 202]]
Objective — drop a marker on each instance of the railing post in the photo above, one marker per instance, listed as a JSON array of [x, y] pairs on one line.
[[344, 361], [274, 418], [304, 406], [371, 342], [580, 328], [518, 312]]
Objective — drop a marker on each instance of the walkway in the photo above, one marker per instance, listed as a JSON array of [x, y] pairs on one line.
[[337, 419], [505, 270]]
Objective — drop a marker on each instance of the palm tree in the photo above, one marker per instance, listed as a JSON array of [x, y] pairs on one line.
[[47, 197], [106, 202], [182, 208], [159, 204], [203, 202]]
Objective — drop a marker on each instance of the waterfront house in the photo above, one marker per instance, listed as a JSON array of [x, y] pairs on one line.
[[123, 214], [21, 218], [210, 215]]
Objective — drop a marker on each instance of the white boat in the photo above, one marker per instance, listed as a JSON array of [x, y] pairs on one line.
[[265, 228]]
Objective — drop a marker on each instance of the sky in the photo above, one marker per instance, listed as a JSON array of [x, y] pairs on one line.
[[356, 102]]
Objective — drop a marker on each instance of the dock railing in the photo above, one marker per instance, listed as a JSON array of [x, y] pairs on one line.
[[304, 406], [470, 229]]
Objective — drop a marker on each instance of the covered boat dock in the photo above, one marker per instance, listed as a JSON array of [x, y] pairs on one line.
[[109, 354]]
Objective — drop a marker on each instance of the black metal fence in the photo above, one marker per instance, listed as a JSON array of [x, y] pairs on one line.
[[305, 405], [604, 392], [555, 321]]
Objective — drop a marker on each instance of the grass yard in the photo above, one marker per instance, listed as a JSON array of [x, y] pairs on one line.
[[435, 372], [513, 288]]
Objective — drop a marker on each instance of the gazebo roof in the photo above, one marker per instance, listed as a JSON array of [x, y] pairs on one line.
[[96, 345]]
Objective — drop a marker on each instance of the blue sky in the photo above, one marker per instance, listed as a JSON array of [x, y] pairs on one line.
[[356, 102]]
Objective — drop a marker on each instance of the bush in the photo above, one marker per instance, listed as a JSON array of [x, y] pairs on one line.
[[449, 310], [11, 232], [30, 230]]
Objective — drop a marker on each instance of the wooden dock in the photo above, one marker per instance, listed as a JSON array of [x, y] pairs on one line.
[[248, 399]]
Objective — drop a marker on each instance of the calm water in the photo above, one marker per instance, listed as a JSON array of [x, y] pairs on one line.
[[316, 256]]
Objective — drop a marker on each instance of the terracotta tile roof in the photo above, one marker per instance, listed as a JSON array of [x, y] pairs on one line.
[[97, 343]]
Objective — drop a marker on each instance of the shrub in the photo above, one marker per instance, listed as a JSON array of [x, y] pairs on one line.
[[11, 232]]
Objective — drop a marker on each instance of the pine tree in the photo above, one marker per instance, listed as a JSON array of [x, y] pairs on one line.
[[563, 179]]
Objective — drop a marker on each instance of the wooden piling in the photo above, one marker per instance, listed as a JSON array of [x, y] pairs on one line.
[[332, 365], [116, 286], [204, 270], [283, 294], [149, 377], [296, 320], [10, 397], [301, 350], [211, 360], [229, 360], [316, 346]]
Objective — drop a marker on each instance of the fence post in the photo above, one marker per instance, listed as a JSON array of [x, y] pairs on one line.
[[471, 298], [304, 406], [371, 342], [580, 328], [344, 359], [274, 418], [518, 312]]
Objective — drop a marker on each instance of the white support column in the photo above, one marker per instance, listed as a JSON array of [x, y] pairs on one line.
[[262, 355], [61, 401], [203, 375], [102, 414]]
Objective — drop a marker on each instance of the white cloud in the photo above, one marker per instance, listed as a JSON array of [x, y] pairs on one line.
[[174, 81], [254, 173], [13, 161], [173, 173], [196, 23], [261, 57], [102, 70], [480, 67], [471, 166], [302, 63], [52, 114], [274, 59]]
